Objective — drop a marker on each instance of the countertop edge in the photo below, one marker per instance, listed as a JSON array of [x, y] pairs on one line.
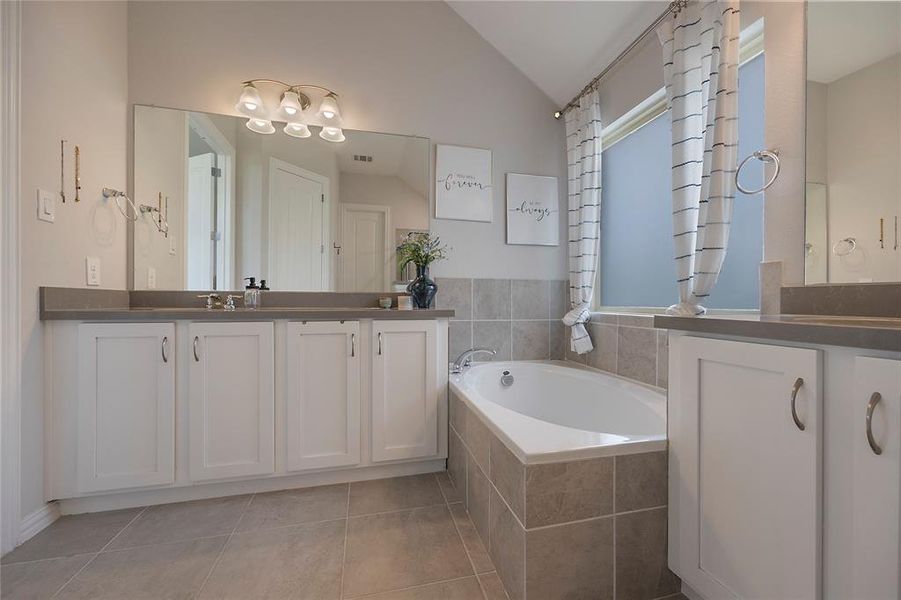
[[870, 338], [272, 314]]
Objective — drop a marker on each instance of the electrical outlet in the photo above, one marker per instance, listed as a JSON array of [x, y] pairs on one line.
[[92, 270], [151, 278], [46, 206]]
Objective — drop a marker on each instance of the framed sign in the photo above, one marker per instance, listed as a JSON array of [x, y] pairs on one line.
[[533, 210], [463, 184]]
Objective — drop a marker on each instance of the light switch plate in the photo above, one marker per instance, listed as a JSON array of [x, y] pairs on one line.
[[151, 278], [172, 244], [46, 206], [92, 270]]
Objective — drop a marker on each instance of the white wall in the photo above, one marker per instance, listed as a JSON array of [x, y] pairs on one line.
[[74, 86], [401, 67], [409, 210]]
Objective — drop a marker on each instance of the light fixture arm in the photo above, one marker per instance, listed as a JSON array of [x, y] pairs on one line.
[[296, 87]]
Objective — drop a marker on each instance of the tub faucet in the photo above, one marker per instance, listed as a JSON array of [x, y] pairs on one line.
[[465, 359]]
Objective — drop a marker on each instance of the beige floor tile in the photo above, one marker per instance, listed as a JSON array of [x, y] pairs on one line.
[[478, 554], [73, 534], [183, 521], [492, 586], [38, 579], [458, 589], [450, 491], [293, 507], [397, 493], [402, 549], [302, 562], [175, 570]]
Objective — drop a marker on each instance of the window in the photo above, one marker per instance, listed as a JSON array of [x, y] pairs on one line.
[[636, 266]]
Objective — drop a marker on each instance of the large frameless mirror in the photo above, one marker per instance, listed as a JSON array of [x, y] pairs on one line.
[[853, 183], [218, 203]]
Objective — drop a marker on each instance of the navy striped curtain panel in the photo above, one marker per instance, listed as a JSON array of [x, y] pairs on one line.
[[583, 157], [700, 56]]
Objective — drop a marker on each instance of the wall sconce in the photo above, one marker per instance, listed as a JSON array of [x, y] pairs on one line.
[[290, 110]]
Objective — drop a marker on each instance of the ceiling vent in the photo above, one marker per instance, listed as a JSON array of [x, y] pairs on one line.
[[362, 158]]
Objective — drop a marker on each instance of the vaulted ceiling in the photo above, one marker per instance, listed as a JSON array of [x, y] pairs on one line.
[[561, 45]]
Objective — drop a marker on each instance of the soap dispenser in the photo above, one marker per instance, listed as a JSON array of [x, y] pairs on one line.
[[251, 294], [263, 288]]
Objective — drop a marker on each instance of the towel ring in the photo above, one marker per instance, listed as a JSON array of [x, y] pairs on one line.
[[851, 244], [770, 156], [117, 195]]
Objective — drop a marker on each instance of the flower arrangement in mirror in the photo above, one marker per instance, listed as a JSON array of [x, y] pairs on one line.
[[421, 249]]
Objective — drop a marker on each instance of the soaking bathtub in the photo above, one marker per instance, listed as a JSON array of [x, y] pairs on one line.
[[553, 412]]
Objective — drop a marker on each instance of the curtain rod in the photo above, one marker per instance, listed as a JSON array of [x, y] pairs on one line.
[[673, 9]]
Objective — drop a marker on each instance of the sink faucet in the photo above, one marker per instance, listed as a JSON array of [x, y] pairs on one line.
[[465, 359], [213, 301]]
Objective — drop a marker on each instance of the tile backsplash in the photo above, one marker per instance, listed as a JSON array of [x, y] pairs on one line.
[[520, 318], [627, 345]]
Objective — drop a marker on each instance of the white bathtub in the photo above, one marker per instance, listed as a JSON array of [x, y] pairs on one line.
[[554, 412]]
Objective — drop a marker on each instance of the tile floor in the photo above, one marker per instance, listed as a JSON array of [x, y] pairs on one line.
[[407, 538]]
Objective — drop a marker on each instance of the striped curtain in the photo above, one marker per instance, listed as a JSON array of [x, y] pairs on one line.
[[700, 54], [583, 156]]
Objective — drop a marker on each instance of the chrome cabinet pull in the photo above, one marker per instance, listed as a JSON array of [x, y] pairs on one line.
[[380, 343], [798, 383], [164, 348], [871, 406], [353, 345], [196, 356]]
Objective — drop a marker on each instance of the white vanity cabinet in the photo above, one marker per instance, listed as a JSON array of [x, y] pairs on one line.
[[125, 405], [745, 488], [323, 399], [140, 413], [406, 389], [873, 554], [231, 400]]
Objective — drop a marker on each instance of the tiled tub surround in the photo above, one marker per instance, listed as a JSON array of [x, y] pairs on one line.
[[593, 528], [520, 318], [628, 345]]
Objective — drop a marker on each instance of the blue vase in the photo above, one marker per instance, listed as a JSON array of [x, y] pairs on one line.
[[422, 289]]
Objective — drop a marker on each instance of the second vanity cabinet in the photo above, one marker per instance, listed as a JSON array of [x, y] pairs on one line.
[[231, 400], [126, 405], [781, 489], [156, 408], [323, 394]]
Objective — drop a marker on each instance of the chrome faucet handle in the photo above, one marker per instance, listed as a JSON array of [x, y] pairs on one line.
[[230, 302], [212, 300], [465, 359]]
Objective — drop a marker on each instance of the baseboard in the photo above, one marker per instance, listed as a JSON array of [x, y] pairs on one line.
[[35, 522], [184, 493], [690, 592]]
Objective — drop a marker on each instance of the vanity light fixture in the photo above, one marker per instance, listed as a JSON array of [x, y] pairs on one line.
[[298, 130], [292, 106], [260, 125], [329, 110], [332, 134]]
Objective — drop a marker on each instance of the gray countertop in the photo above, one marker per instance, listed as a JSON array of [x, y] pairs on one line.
[[874, 333], [240, 314]]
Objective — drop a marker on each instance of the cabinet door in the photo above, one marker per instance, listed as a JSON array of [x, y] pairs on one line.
[[323, 399], [745, 491], [404, 390], [126, 405], [876, 488], [232, 403]]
